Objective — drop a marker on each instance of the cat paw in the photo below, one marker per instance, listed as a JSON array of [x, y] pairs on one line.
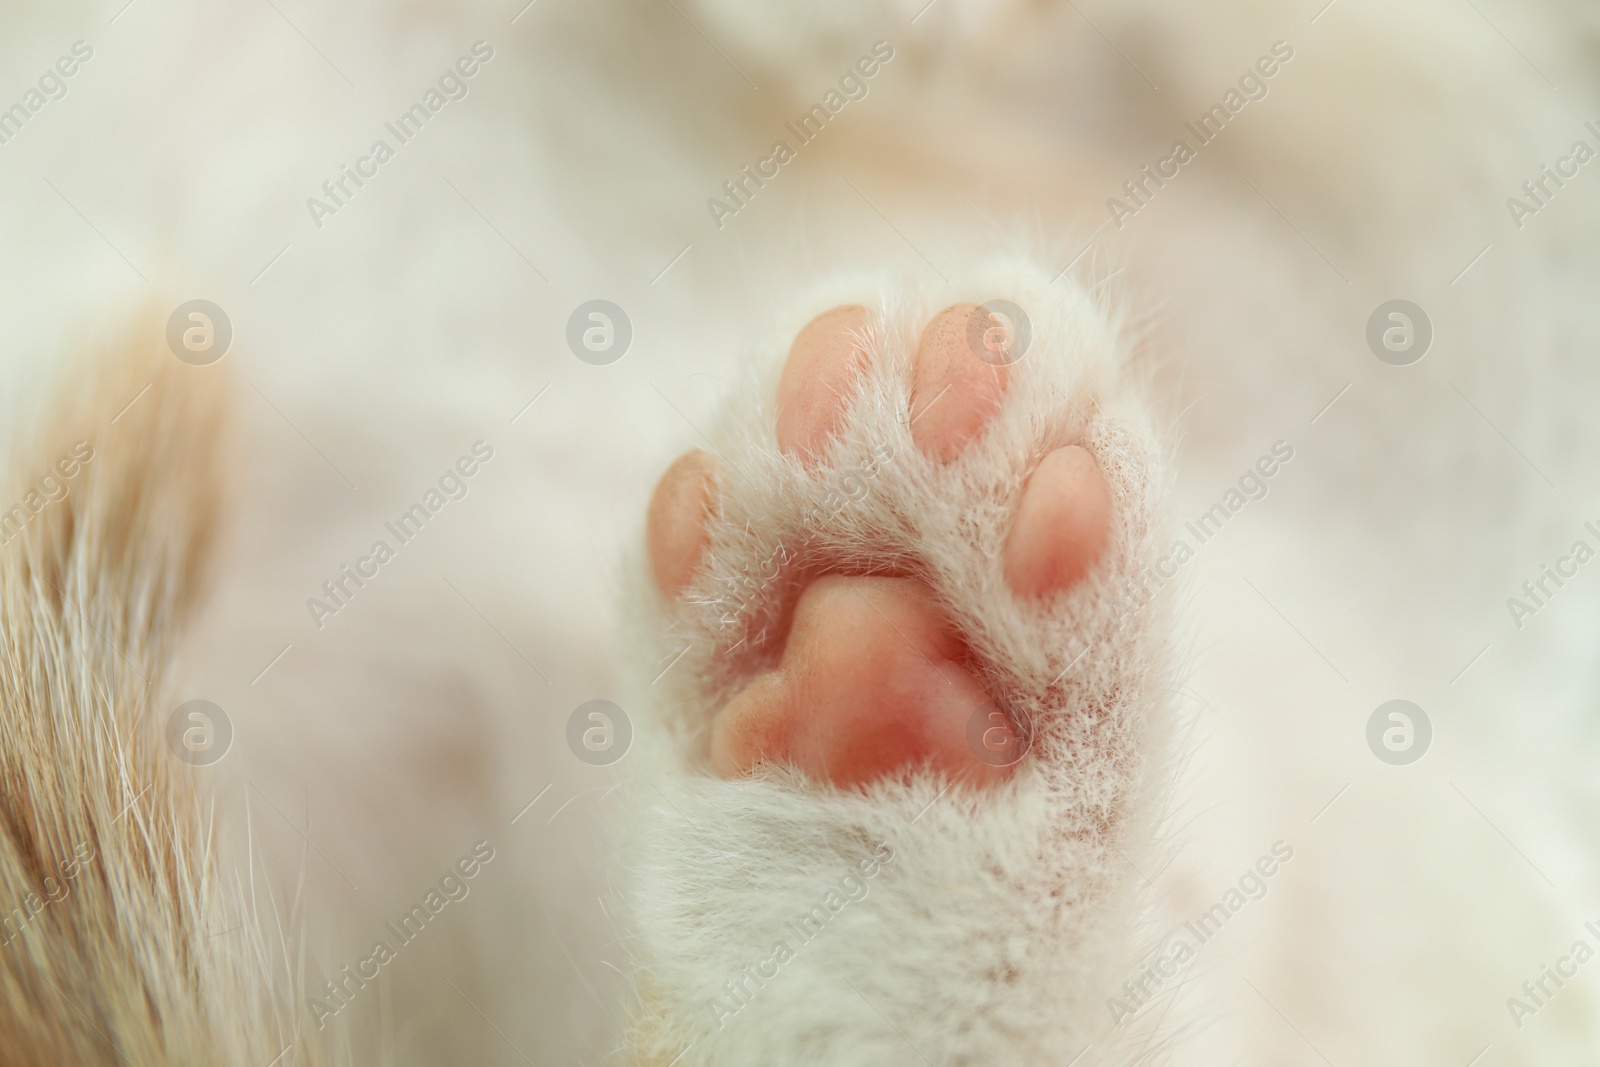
[[897, 631], [855, 668]]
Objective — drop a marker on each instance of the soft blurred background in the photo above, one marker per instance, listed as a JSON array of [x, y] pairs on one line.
[[429, 312]]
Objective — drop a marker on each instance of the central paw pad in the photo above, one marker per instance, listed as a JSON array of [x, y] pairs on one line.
[[863, 674]]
